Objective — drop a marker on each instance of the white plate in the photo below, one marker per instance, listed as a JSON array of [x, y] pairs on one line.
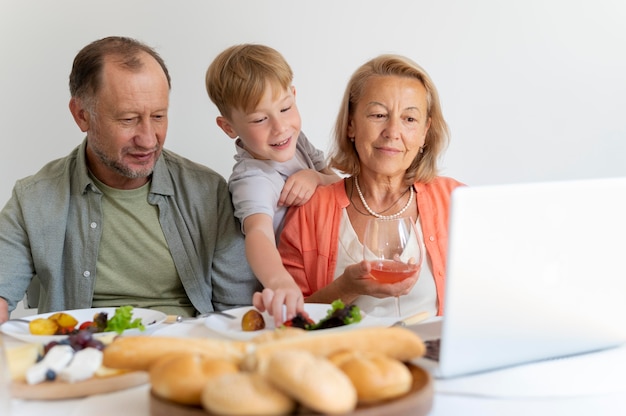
[[150, 319], [231, 328]]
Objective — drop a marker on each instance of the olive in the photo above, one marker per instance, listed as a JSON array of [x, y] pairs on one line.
[[252, 321]]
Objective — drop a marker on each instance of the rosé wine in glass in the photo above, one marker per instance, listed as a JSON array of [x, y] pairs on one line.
[[390, 271], [393, 247]]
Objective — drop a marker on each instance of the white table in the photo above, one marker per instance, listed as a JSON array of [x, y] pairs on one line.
[[461, 396]]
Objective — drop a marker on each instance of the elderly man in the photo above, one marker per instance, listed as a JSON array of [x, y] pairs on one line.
[[120, 220]]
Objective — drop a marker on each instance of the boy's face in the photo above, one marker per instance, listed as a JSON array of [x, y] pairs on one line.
[[271, 130]]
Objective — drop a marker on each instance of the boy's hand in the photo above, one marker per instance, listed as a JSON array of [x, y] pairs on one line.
[[299, 188], [272, 301], [4, 310]]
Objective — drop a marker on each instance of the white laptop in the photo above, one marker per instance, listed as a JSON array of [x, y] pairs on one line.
[[535, 271]]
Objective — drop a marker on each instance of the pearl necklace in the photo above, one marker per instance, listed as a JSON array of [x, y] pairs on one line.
[[376, 214]]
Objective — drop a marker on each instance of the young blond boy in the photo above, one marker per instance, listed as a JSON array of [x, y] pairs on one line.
[[276, 166]]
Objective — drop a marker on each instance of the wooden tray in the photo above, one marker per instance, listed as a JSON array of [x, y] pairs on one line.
[[61, 390], [417, 402]]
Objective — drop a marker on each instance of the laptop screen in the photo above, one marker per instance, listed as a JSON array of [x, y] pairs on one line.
[[535, 271]]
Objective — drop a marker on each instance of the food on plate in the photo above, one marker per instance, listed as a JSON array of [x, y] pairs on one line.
[[55, 360], [313, 381], [223, 396], [66, 359], [299, 371], [83, 365], [181, 377], [43, 326], [395, 342], [338, 315], [21, 358], [63, 323], [299, 321], [78, 341], [139, 353], [278, 333], [376, 377], [252, 321], [123, 320]]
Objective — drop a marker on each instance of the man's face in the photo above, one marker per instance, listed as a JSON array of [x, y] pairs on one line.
[[127, 124]]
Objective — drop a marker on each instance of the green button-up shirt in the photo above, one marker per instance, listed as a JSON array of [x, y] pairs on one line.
[[52, 225]]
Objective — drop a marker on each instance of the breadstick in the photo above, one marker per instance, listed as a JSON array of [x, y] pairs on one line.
[[139, 352], [395, 342]]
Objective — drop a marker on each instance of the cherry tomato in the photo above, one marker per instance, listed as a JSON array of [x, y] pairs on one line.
[[64, 331], [87, 325]]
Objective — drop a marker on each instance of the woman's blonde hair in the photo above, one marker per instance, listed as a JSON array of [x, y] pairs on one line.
[[343, 155], [238, 76]]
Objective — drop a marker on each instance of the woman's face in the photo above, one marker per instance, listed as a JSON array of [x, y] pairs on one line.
[[389, 124]]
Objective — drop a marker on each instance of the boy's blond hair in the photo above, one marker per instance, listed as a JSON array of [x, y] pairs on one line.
[[237, 77]]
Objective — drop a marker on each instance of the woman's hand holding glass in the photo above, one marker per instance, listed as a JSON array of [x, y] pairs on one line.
[[357, 280], [393, 249]]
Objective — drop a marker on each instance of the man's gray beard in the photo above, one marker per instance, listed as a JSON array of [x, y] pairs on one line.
[[121, 169]]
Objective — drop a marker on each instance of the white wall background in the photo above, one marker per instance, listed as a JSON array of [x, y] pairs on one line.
[[533, 90]]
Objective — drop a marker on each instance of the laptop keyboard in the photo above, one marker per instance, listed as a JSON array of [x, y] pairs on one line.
[[432, 349]]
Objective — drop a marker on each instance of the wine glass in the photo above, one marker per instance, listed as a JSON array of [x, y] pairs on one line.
[[393, 249]]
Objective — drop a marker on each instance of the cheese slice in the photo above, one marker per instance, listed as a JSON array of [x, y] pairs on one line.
[[21, 358]]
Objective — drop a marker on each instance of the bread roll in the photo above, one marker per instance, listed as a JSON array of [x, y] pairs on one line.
[[139, 352], [376, 377], [395, 342], [245, 394], [313, 381], [278, 333], [181, 377]]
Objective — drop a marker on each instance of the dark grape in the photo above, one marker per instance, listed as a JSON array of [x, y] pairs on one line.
[[78, 340], [51, 375], [49, 346], [95, 343]]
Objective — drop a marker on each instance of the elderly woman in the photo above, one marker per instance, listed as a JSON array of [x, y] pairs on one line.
[[389, 134]]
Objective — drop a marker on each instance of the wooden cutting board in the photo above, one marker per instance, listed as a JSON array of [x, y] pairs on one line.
[[417, 402], [54, 390]]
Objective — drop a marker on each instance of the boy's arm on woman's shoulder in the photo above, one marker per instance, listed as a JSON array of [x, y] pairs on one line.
[[328, 176], [301, 186]]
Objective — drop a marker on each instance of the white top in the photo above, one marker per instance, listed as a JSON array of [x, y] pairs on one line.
[[423, 296]]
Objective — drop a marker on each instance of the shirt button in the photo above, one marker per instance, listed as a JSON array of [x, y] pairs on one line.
[[93, 225], [431, 238], [86, 273]]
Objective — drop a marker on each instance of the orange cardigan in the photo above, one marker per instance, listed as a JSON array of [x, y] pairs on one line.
[[309, 239]]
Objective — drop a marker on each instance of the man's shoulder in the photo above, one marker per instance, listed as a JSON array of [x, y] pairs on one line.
[[52, 171]]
